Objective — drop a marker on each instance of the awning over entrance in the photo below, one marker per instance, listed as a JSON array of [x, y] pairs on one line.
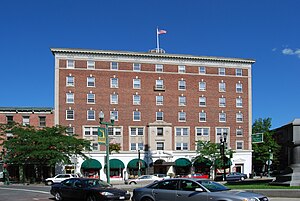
[[116, 164], [134, 163], [91, 164], [183, 162], [202, 161]]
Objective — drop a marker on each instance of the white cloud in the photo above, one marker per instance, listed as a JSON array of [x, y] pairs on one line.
[[289, 51]]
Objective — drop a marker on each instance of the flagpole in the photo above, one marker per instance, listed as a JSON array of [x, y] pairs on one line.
[[157, 41]]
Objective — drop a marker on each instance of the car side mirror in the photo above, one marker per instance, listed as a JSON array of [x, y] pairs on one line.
[[199, 189]]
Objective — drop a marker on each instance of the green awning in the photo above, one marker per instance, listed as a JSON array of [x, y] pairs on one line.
[[182, 162], [115, 164], [134, 164], [91, 164], [202, 161]]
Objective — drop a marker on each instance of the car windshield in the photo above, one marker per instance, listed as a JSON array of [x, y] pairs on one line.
[[96, 183], [213, 186]]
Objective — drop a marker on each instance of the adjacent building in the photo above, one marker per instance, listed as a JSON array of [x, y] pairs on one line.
[[162, 104]]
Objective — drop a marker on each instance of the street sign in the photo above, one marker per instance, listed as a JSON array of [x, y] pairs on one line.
[[257, 138], [101, 136]]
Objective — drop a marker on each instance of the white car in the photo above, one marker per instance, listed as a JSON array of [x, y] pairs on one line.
[[59, 178], [144, 179]]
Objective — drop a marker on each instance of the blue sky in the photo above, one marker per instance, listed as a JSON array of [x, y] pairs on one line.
[[265, 30]]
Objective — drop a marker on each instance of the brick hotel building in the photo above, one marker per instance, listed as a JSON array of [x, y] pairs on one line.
[[162, 103]]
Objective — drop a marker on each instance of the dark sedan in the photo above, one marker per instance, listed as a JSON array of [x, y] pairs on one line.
[[87, 189], [236, 176], [192, 189]]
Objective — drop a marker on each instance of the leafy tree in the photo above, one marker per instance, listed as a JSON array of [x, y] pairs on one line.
[[261, 151], [114, 147]]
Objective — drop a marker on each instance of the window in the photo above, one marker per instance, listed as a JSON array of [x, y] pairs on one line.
[[94, 146], [115, 114], [114, 66], [160, 145], [222, 102], [91, 115], [90, 64], [202, 70], [70, 63], [114, 131], [114, 82], [114, 98], [90, 81], [159, 68], [239, 132], [69, 114], [222, 87], [159, 131], [181, 85], [70, 81], [239, 72], [239, 145], [159, 84], [221, 71], [136, 67], [222, 117], [42, 121], [202, 131], [136, 83], [202, 101], [159, 100], [239, 88], [202, 117], [202, 86], [182, 100], [70, 97], [136, 131], [239, 102], [181, 116], [90, 98], [70, 131], [136, 146], [159, 116], [182, 146], [136, 116], [239, 117], [181, 69], [222, 131], [90, 131], [25, 120], [182, 131], [10, 119], [136, 99]]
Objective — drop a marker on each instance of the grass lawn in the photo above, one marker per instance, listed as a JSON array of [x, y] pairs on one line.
[[259, 186]]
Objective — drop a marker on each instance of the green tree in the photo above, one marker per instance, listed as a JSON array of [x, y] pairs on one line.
[[41, 147], [262, 151]]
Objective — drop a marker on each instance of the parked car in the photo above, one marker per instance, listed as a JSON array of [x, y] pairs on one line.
[[236, 176], [164, 176], [59, 178], [144, 179], [87, 189], [192, 189], [199, 175]]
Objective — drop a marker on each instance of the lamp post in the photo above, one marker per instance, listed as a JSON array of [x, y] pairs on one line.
[[111, 123], [222, 150], [269, 162], [139, 163]]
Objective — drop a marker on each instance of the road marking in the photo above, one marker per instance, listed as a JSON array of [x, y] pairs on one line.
[[19, 189]]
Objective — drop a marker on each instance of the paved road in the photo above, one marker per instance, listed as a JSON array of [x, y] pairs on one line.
[[41, 193]]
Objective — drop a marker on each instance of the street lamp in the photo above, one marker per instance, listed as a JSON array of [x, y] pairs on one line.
[[111, 123], [222, 150]]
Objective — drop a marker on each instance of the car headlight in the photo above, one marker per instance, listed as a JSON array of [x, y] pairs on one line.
[[106, 193], [251, 199]]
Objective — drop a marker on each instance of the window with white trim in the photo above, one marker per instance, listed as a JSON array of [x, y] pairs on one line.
[[202, 101], [222, 131], [181, 116], [222, 102], [70, 64], [136, 131], [202, 86], [115, 114], [114, 131], [159, 116], [239, 72], [239, 117], [70, 131], [136, 67], [239, 145], [136, 99], [136, 83], [239, 132], [95, 146], [181, 69], [202, 131], [159, 68], [136, 116], [90, 98], [159, 131], [222, 87], [114, 66], [182, 131], [25, 120], [202, 116], [70, 97], [136, 146], [239, 102], [91, 81], [114, 82], [202, 70], [114, 98], [182, 101], [70, 114], [239, 87], [160, 145], [159, 100], [90, 64], [159, 84], [181, 85], [70, 81], [91, 115], [181, 146], [221, 71], [222, 117], [90, 131]]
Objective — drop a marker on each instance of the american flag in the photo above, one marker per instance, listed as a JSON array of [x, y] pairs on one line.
[[161, 31]]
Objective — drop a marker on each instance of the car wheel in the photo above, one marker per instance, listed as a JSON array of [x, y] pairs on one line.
[[58, 196], [242, 178], [132, 183], [91, 198], [49, 183], [147, 199]]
